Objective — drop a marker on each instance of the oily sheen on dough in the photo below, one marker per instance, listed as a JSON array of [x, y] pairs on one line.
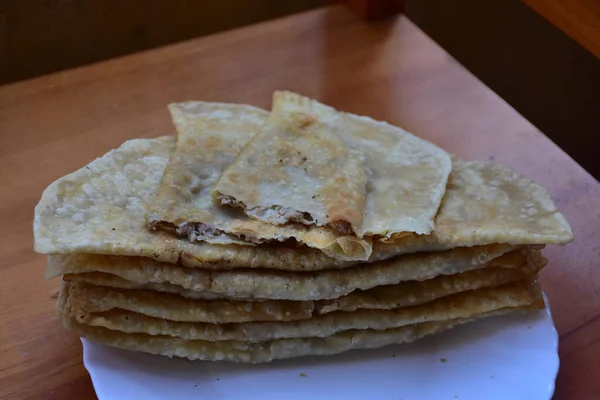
[[100, 209], [334, 169], [209, 137]]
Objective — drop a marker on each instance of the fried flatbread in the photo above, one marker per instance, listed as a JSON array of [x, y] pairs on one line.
[[254, 353], [403, 294], [312, 164], [110, 280], [411, 293], [283, 285], [460, 305], [491, 203], [209, 137], [93, 298], [100, 209], [237, 351]]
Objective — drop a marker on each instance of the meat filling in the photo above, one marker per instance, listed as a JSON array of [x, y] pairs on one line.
[[199, 232], [342, 227]]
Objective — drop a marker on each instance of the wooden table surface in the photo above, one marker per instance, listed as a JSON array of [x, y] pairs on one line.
[[580, 19], [389, 70]]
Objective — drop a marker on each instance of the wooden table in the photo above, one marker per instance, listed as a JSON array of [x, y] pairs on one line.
[[580, 19], [389, 70]]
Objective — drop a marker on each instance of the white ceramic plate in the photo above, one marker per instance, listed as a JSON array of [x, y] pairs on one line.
[[510, 357]]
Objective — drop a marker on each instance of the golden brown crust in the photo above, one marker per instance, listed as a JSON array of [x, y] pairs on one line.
[[266, 351], [93, 298], [209, 137], [404, 294], [459, 305], [282, 285]]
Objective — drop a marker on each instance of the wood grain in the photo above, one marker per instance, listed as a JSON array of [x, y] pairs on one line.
[[580, 19], [389, 70]]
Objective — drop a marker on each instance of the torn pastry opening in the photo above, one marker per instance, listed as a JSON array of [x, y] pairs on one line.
[[279, 215], [344, 248], [198, 231]]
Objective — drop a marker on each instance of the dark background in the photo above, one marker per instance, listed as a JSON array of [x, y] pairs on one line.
[[540, 71]]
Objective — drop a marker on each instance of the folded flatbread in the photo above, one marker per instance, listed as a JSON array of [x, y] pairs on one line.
[[97, 299], [411, 293], [100, 209], [491, 203], [312, 164], [263, 352], [404, 294], [209, 137], [460, 305], [93, 298], [237, 351], [284, 285]]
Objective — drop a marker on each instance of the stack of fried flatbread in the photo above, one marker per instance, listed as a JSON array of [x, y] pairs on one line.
[[252, 236]]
